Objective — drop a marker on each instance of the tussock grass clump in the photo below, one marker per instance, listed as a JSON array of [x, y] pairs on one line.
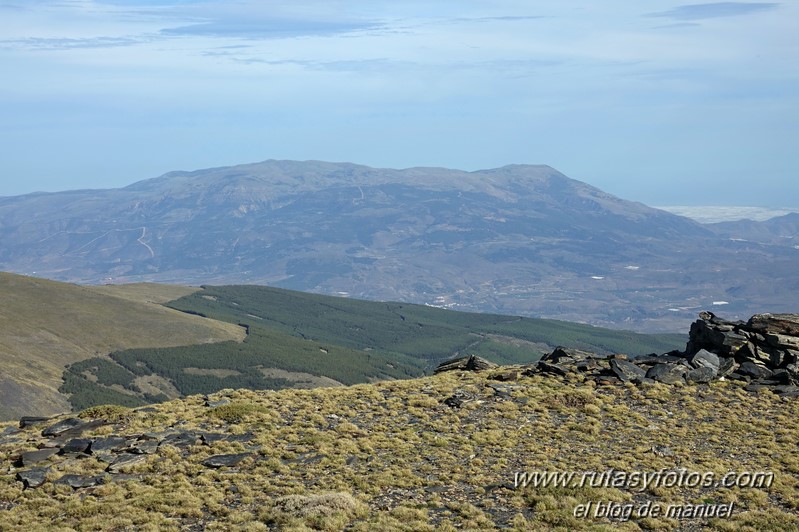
[[107, 412], [327, 511], [236, 412]]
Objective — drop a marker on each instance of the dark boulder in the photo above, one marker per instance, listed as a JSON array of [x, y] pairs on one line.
[[76, 445], [754, 370], [33, 478], [505, 376], [705, 359], [552, 368], [626, 371], [727, 366], [700, 375]]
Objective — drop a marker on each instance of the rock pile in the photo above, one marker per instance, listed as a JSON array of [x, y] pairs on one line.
[[763, 352]]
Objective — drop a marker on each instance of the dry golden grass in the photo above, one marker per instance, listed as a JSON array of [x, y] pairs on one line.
[[145, 292], [392, 456]]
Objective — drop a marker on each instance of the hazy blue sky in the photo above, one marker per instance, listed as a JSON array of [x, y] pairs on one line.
[[656, 101]]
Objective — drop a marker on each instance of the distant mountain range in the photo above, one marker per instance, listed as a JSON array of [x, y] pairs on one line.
[[782, 231], [522, 240]]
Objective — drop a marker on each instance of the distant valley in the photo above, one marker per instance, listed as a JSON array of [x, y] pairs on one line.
[[518, 240]]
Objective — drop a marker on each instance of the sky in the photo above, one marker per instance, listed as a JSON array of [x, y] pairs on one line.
[[661, 102]]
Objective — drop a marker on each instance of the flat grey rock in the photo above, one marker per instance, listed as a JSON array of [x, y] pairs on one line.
[[80, 481], [786, 324], [32, 421], [144, 447], [569, 355], [72, 427], [182, 439], [34, 457], [9, 431], [225, 460], [125, 460], [63, 426], [457, 399], [111, 443]]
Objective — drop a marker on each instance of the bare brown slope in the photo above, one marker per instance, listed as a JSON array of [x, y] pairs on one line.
[[45, 325]]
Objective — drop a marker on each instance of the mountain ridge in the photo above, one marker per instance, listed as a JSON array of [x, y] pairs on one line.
[[780, 230], [520, 240]]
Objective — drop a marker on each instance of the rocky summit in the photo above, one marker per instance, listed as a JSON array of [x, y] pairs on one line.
[[762, 352]]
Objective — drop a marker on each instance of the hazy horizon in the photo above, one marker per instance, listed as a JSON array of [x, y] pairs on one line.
[[726, 213], [663, 103]]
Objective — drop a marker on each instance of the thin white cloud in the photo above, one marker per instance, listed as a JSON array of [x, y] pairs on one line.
[[55, 43], [270, 28], [715, 10]]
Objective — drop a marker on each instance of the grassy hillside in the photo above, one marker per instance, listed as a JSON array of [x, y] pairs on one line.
[[296, 338], [426, 333], [46, 325], [399, 456], [145, 292]]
